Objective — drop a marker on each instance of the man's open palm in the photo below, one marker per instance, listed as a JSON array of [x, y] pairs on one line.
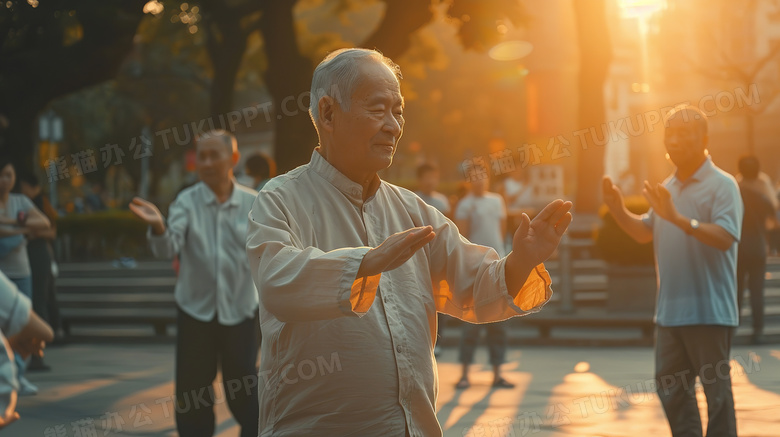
[[146, 211], [395, 250], [535, 240]]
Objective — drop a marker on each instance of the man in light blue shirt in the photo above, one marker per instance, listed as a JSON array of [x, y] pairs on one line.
[[695, 224]]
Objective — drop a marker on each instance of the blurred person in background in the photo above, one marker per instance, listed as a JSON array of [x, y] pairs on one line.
[[261, 169], [695, 223], [427, 182], [751, 259], [18, 218], [518, 194], [216, 298], [41, 256], [481, 217], [94, 201]]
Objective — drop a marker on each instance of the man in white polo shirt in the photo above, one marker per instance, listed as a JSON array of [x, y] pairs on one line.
[[218, 317], [695, 225]]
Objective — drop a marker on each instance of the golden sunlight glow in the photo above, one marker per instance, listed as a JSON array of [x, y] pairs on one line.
[[511, 50], [640, 8], [582, 367], [153, 7]]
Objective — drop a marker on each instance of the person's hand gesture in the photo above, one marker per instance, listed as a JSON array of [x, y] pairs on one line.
[[395, 250], [613, 198], [535, 240], [9, 418], [26, 346], [660, 200], [149, 213]]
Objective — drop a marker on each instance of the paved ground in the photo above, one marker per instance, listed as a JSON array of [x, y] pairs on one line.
[[125, 390]]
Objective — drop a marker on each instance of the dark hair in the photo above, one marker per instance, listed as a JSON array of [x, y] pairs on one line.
[[423, 169], [749, 167], [30, 179], [260, 166], [5, 160]]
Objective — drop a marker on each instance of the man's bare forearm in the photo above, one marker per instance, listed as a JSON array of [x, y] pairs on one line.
[[516, 272], [632, 224], [707, 233]]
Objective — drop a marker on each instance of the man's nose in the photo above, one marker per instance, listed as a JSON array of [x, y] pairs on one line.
[[392, 125]]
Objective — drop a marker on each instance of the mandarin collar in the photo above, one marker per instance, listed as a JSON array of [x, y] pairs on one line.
[[351, 189]]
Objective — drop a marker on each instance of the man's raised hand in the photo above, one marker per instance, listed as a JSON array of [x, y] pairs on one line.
[[613, 198], [149, 213], [660, 200], [395, 250], [535, 240]]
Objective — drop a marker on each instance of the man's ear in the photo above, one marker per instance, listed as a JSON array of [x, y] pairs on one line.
[[326, 110], [236, 157]]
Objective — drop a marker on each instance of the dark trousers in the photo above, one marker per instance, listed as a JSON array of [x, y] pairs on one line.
[[683, 353], [496, 342], [752, 271], [200, 348], [44, 299]]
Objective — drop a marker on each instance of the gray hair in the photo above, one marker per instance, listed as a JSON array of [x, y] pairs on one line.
[[338, 73], [226, 137]]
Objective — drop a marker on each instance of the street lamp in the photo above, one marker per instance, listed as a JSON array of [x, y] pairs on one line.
[[50, 134]]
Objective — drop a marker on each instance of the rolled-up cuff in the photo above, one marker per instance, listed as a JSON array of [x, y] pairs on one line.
[[362, 291], [535, 292]]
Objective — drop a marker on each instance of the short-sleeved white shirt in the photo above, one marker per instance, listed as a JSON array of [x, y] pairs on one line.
[[484, 214]]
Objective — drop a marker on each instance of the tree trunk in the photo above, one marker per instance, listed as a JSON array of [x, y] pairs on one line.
[[402, 18], [595, 57], [288, 77], [227, 43], [18, 139]]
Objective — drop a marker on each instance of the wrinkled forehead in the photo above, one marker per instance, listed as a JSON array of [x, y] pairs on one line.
[[376, 81]]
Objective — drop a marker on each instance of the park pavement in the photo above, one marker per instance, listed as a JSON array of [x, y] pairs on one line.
[[98, 389]]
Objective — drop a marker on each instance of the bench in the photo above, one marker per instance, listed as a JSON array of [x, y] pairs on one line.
[[101, 294], [548, 319]]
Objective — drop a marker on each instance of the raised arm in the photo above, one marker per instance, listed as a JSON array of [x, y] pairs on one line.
[[36, 220], [165, 241], [631, 223], [726, 223], [478, 281], [297, 283]]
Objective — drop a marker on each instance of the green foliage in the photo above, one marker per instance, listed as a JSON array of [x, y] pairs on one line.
[[104, 235], [617, 247]]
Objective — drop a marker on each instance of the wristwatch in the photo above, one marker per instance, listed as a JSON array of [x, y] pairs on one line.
[[694, 225]]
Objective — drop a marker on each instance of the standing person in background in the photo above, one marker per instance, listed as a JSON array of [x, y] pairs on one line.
[[751, 259], [94, 201], [41, 256], [694, 223], [519, 196], [427, 182], [481, 217], [217, 301], [261, 169], [18, 218]]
